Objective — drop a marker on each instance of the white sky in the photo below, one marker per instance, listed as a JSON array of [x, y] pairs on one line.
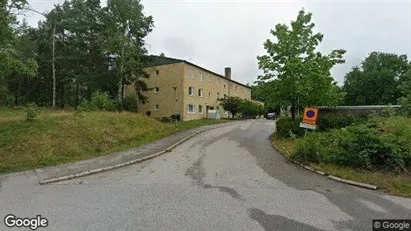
[[216, 34]]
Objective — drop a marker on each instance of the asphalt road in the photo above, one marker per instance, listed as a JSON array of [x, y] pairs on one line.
[[229, 178]]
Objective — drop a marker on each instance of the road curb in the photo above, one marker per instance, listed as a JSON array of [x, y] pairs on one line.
[[98, 170], [331, 177]]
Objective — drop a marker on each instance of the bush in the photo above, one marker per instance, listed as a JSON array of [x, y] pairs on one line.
[[99, 101], [6, 99], [31, 111], [327, 122], [130, 103], [285, 124], [365, 146]]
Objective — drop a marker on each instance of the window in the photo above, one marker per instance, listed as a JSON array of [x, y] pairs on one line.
[[200, 109], [224, 86], [209, 94], [218, 82], [191, 91], [191, 74], [156, 90], [157, 73], [200, 92], [210, 80], [201, 76], [191, 108], [156, 107], [218, 94]]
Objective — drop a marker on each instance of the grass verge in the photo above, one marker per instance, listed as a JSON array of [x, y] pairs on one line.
[[389, 182], [62, 137]]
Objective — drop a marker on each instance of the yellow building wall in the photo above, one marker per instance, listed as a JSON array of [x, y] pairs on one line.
[[169, 76], [178, 75]]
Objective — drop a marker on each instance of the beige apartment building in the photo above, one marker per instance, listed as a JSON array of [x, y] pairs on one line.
[[181, 87]]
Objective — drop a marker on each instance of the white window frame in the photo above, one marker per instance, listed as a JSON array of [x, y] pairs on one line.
[[156, 91], [192, 90], [201, 76], [156, 107], [200, 109], [191, 73], [200, 91], [188, 109]]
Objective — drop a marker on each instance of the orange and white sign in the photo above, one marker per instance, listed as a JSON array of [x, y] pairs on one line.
[[309, 118]]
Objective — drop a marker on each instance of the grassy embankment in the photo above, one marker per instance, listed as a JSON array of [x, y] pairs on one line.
[[57, 137], [395, 183]]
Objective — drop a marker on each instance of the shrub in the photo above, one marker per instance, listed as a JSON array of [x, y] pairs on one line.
[[5, 98], [130, 103], [31, 111], [308, 149], [99, 101], [365, 146], [327, 122], [285, 124]]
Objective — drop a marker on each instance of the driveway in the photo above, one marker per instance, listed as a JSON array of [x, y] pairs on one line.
[[228, 178]]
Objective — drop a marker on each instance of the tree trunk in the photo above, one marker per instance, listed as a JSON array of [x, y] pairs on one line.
[[293, 111], [54, 66], [76, 100], [121, 82]]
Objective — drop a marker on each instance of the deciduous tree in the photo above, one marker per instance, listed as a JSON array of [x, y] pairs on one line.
[[302, 73]]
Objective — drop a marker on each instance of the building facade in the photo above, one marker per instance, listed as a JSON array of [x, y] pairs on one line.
[[181, 87]]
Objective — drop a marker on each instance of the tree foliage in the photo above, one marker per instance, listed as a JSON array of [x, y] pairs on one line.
[[231, 104], [377, 81], [301, 75], [96, 49]]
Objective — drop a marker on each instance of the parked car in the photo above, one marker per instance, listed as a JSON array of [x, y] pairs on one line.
[[270, 116]]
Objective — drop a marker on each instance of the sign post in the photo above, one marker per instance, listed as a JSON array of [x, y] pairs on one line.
[[309, 118]]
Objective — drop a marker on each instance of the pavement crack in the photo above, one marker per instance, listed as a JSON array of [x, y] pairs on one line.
[[197, 172]]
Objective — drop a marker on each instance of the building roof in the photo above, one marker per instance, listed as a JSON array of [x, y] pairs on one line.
[[160, 60]]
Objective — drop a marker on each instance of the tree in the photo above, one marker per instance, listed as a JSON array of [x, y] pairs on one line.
[[376, 81], [249, 109], [302, 74], [231, 104], [15, 64], [127, 27], [405, 89]]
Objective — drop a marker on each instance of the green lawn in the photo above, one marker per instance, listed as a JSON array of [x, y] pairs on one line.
[[390, 182], [57, 137]]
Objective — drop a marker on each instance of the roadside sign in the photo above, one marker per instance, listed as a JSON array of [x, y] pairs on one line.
[[309, 118]]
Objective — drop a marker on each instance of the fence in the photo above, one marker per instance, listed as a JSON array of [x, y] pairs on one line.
[[357, 110]]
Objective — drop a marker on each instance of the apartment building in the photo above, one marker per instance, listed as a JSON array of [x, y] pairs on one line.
[[181, 87]]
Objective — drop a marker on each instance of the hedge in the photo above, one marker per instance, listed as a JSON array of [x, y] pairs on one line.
[[286, 127]]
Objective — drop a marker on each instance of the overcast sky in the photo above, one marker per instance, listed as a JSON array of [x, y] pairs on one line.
[[217, 34]]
